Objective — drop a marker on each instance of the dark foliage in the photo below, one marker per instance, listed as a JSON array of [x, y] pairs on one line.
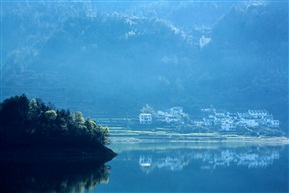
[[25, 122]]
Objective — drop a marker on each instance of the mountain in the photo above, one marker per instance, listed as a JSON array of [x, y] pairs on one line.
[[105, 58], [248, 56]]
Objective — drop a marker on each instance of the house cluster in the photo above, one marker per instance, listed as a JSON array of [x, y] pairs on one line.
[[210, 117], [230, 121], [172, 115]]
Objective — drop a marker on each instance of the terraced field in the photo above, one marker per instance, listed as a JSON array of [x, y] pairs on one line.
[[161, 135]]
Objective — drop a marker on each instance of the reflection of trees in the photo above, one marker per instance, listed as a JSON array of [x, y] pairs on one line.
[[52, 176]]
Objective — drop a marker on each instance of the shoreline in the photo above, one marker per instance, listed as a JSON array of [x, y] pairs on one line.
[[119, 135]]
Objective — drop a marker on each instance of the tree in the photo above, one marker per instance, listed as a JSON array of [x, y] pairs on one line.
[[32, 122], [34, 110], [105, 135], [13, 118], [148, 109], [78, 118], [51, 115]]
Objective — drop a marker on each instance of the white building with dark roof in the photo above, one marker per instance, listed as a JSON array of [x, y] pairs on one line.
[[145, 118]]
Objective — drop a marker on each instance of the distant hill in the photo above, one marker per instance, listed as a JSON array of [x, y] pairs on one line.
[[247, 57], [89, 56]]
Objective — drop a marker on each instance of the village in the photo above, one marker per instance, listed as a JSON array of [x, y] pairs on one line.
[[210, 118]]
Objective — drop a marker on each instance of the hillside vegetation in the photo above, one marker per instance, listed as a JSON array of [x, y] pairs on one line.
[[32, 123], [116, 57]]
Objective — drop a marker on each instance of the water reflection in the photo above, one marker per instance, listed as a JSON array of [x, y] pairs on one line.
[[210, 159], [198, 167], [172, 163], [51, 176], [145, 161], [249, 159]]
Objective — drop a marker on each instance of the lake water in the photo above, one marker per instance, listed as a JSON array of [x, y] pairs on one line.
[[158, 167], [189, 167]]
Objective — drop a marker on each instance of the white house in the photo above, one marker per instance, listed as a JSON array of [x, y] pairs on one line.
[[228, 125], [258, 113], [220, 114], [145, 118], [274, 123], [198, 123], [251, 123]]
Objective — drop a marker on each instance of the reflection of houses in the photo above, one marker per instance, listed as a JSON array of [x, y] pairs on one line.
[[168, 163], [229, 157], [173, 164], [145, 161], [145, 118], [211, 159]]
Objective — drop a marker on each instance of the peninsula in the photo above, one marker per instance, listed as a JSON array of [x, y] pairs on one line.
[[33, 128]]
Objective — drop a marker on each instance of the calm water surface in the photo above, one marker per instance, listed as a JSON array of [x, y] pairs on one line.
[[155, 167], [187, 167]]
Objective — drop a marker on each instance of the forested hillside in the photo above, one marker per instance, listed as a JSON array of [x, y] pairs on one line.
[[117, 58], [33, 124]]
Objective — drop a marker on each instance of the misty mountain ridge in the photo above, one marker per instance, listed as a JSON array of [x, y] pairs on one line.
[[76, 55]]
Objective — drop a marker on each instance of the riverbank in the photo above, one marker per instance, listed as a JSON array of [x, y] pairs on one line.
[[121, 135]]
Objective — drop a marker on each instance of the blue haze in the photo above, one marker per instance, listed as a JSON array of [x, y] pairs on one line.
[[110, 58], [116, 57]]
